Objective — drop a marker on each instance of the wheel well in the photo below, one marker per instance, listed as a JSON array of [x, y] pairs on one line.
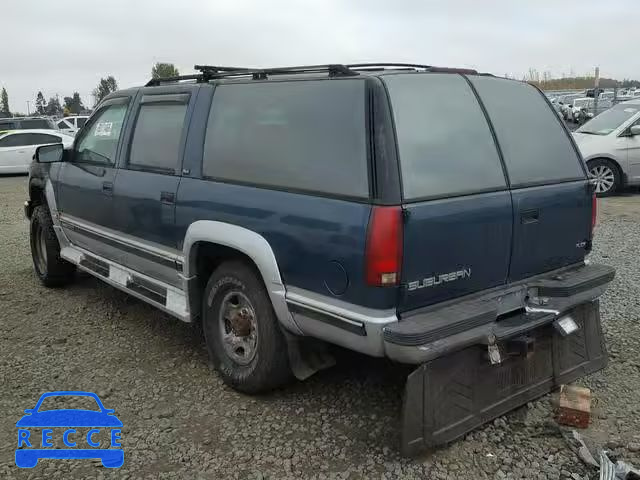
[[37, 195], [208, 257]]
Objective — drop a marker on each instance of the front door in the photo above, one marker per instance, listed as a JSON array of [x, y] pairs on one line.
[[86, 182], [633, 154]]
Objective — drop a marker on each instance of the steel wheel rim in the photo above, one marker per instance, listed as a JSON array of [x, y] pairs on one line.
[[41, 250], [238, 327], [604, 178]]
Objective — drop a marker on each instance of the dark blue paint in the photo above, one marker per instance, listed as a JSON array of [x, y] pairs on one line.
[[564, 221], [306, 233], [80, 192], [138, 210], [443, 236]]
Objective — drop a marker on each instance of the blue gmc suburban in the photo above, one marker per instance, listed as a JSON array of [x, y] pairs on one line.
[[396, 210]]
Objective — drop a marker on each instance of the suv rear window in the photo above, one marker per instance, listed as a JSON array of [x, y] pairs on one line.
[[304, 135], [534, 144], [444, 141], [35, 123]]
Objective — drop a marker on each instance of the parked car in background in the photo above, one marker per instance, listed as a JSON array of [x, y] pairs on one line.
[[566, 102], [411, 213], [24, 123], [583, 109], [18, 147], [610, 145], [71, 125]]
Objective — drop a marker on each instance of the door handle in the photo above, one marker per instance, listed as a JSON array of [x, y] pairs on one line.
[[530, 216], [168, 197], [107, 187]]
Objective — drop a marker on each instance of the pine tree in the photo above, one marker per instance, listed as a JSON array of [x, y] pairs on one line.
[[4, 101], [41, 103]]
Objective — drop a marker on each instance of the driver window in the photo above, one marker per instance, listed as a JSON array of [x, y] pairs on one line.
[[99, 143]]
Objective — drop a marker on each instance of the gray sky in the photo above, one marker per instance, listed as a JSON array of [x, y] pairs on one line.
[[64, 46]]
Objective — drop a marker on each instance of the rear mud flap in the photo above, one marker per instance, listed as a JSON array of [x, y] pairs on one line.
[[450, 396]]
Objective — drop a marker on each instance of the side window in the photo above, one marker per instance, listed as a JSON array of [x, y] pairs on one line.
[[80, 122], [444, 141], [306, 135], [535, 147], [43, 138], [99, 143], [7, 126], [36, 123], [16, 140], [62, 125], [156, 137]]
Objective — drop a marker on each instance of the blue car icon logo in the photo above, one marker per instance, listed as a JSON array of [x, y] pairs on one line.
[[84, 433]]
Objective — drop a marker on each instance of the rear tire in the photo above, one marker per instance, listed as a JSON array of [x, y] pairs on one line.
[[241, 331], [606, 175], [50, 268]]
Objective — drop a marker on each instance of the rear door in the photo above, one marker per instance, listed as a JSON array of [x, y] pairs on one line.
[[551, 195], [458, 213], [16, 150], [148, 179]]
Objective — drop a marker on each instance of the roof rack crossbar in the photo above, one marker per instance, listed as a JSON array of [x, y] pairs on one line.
[[154, 82]]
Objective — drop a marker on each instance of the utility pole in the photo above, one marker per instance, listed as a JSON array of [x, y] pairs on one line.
[[28, 110], [596, 91]]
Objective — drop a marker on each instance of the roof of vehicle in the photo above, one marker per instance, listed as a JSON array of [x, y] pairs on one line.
[[26, 118], [48, 131]]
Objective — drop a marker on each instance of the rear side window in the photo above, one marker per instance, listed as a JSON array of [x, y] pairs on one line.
[[43, 138], [7, 126], [444, 141], [17, 140], [156, 138], [39, 123], [535, 147], [80, 122], [306, 135]]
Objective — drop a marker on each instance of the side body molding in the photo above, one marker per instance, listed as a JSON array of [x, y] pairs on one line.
[[250, 243]]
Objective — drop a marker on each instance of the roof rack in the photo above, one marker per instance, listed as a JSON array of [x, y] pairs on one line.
[[415, 66], [211, 72]]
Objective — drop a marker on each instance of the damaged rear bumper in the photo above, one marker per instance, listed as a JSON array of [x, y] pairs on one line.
[[431, 333], [457, 388]]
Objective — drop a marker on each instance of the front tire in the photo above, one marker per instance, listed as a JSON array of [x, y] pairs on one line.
[[50, 268], [241, 331], [606, 176]]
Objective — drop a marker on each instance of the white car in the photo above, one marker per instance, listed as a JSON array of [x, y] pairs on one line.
[[610, 145], [71, 125], [18, 147]]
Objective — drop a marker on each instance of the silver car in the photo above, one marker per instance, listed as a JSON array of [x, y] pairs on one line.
[[610, 145]]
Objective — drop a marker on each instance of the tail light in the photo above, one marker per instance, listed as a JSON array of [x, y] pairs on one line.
[[383, 254], [594, 212]]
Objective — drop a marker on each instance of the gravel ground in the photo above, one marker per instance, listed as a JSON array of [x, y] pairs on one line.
[[182, 422]]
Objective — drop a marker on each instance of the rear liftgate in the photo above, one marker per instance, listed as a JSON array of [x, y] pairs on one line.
[[451, 395]]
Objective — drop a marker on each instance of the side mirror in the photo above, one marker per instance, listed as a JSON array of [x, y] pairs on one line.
[[634, 130], [49, 153]]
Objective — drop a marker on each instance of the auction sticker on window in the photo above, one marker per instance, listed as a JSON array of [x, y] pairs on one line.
[[103, 129]]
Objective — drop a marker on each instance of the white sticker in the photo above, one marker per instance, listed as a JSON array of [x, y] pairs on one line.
[[103, 129]]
